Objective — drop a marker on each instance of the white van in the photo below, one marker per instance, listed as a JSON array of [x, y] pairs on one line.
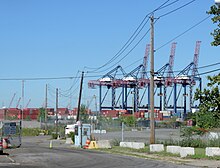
[[70, 128]]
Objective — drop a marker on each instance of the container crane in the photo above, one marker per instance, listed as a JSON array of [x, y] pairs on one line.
[[18, 102], [145, 61], [28, 103], [160, 79], [13, 97], [185, 78], [110, 80]]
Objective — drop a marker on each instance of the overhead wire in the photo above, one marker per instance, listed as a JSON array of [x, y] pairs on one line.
[[133, 36], [177, 9], [147, 32], [89, 76], [181, 34], [125, 54], [73, 84], [168, 42]]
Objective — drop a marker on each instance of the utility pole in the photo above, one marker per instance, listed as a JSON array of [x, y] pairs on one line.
[[152, 125], [22, 110], [46, 109], [80, 95], [96, 110], [57, 111]]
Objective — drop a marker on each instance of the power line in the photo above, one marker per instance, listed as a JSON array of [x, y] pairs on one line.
[[127, 53], [73, 83], [72, 77], [133, 36], [207, 72], [161, 7], [201, 67], [177, 9], [181, 34]]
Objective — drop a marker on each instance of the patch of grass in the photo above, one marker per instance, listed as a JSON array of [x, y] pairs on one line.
[[165, 154], [143, 150], [115, 142], [200, 154], [145, 153], [30, 131]]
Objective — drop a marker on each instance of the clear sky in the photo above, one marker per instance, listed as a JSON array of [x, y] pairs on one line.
[[57, 38]]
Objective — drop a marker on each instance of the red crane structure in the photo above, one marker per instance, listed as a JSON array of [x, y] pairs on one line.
[[136, 81], [18, 102], [163, 81], [13, 97], [184, 78], [28, 103], [112, 80]]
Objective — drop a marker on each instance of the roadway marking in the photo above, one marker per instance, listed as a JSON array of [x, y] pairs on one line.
[[9, 164], [12, 160]]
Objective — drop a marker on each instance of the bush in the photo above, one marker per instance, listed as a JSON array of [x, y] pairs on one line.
[[28, 118], [115, 142], [191, 131], [30, 131], [190, 142], [72, 136], [54, 136]]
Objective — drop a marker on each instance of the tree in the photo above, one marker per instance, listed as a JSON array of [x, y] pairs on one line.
[[83, 114], [215, 10], [129, 120], [41, 115], [209, 108]]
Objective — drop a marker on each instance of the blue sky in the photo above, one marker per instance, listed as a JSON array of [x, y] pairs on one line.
[[56, 38]]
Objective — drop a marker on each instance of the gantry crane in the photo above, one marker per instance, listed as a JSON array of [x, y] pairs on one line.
[[18, 102], [112, 81], [13, 97], [163, 81], [184, 78]]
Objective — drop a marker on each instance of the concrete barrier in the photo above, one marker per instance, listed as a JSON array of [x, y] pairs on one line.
[[173, 149], [213, 135], [99, 131], [103, 132], [69, 141], [212, 151], [156, 148], [104, 144], [134, 145], [184, 151], [96, 131]]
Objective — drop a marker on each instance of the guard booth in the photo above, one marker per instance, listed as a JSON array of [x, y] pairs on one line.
[[11, 133], [82, 133]]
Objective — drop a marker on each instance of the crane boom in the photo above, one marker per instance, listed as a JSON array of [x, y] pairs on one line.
[[196, 58], [12, 100], [145, 61], [171, 60], [18, 102], [171, 63], [28, 103]]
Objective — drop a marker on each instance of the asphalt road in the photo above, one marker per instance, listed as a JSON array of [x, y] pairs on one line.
[[35, 153]]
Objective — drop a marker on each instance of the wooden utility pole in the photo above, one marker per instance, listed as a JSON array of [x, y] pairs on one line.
[[46, 109], [57, 111], [22, 110], [80, 95], [152, 122]]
